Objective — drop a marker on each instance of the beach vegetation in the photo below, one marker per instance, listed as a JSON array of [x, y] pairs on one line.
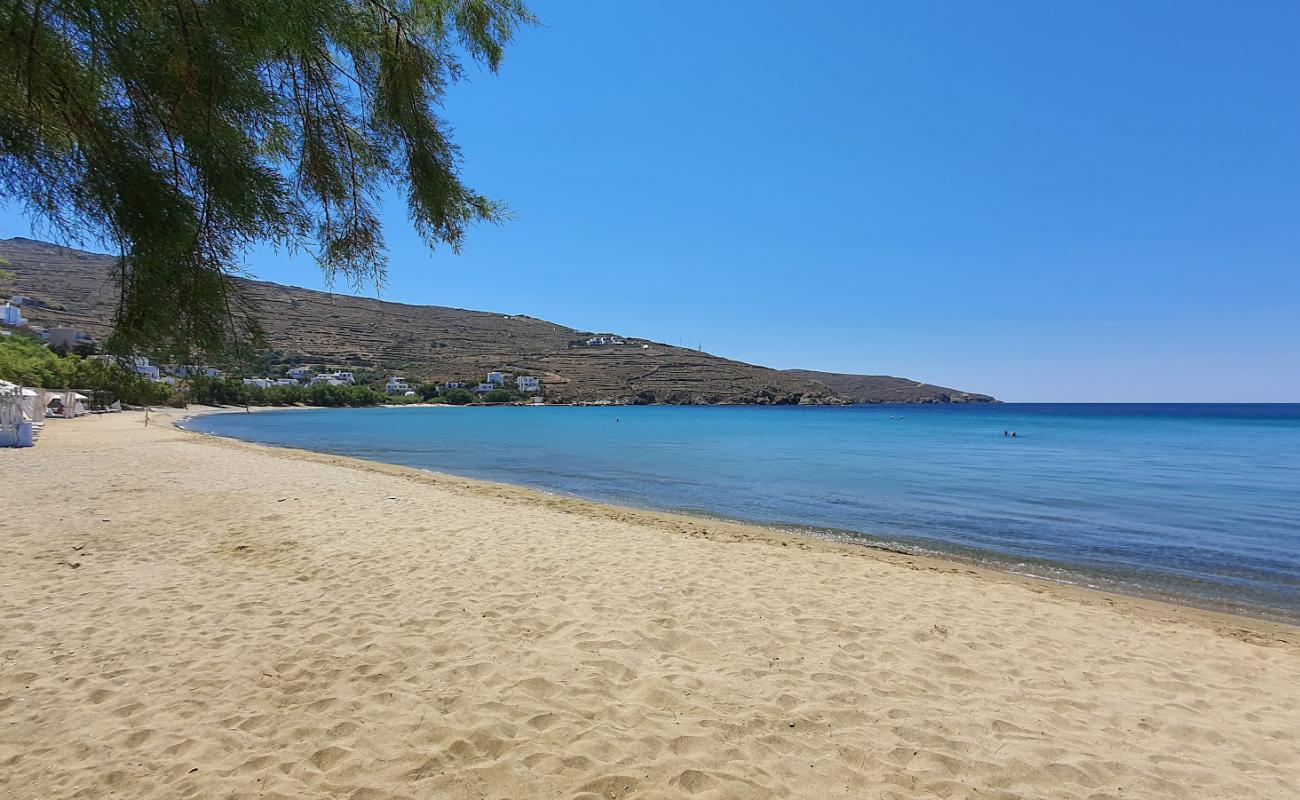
[[458, 397], [233, 391], [181, 134], [28, 362], [501, 396]]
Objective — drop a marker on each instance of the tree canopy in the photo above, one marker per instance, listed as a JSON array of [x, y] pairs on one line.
[[185, 131]]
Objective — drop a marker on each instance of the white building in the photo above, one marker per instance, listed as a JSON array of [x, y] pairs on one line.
[[141, 366], [484, 388], [187, 370], [396, 384], [527, 383], [10, 315], [333, 378], [17, 300], [285, 382], [260, 383], [451, 385], [300, 373], [597, 341], [496, 377]]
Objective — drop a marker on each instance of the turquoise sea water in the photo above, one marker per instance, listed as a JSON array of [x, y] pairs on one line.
[[1201, 502]]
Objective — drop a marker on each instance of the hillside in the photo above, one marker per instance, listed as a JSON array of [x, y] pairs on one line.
[[423, 343], [887, 389]]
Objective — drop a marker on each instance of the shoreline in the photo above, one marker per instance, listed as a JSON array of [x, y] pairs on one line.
[[188, 615], [1224, 616], [853, 541]]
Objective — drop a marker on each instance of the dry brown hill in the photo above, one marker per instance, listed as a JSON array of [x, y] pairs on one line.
[[423, 343], [887, 389]]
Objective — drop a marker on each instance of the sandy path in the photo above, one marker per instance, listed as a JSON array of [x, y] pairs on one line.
[[181, 617]]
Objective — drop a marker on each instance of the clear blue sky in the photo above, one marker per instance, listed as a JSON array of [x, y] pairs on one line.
[[1095, 203]]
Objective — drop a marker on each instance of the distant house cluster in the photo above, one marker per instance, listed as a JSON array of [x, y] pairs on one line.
[[340, 378], [298, 376], [526, 384], [56, 338], [166, 373], [601, 341], [69, 338], [11, 316]]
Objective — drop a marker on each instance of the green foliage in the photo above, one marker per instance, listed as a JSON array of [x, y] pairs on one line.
[[30, 363], [458, 397], [501, 396], [427, 391], [216, 391], [186, 132], [230, 391]]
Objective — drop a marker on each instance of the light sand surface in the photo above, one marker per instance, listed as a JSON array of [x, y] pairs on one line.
[[182, 616]]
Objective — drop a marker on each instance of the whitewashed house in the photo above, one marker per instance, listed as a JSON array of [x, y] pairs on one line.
[[484, 388], [396, 384], [17, 300], [285, 382], [333, 378], [141, 366], [527, 383], [496, 378], [260, 383], [11, 315], [299, 373]]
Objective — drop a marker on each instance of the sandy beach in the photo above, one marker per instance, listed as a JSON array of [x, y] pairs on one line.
[[183, 616]]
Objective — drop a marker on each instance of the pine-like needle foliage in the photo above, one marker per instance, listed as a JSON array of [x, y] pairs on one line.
[[185, 131]]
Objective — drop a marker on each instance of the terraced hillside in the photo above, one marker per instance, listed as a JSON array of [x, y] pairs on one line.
[[423, 343]]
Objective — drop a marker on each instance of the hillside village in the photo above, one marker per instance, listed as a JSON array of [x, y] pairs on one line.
[[68, 339], [312, 335], [495, 386]]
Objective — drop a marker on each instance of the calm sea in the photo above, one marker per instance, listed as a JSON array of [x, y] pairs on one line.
[[1200, 502]]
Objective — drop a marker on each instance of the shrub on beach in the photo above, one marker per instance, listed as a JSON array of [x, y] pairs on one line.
[[229, 391], [28, 362], [458, 397]]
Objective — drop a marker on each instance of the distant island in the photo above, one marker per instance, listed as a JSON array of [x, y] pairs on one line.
[[374, 338]]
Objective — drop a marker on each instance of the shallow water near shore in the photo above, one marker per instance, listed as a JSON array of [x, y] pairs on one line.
[[1198, 502]]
